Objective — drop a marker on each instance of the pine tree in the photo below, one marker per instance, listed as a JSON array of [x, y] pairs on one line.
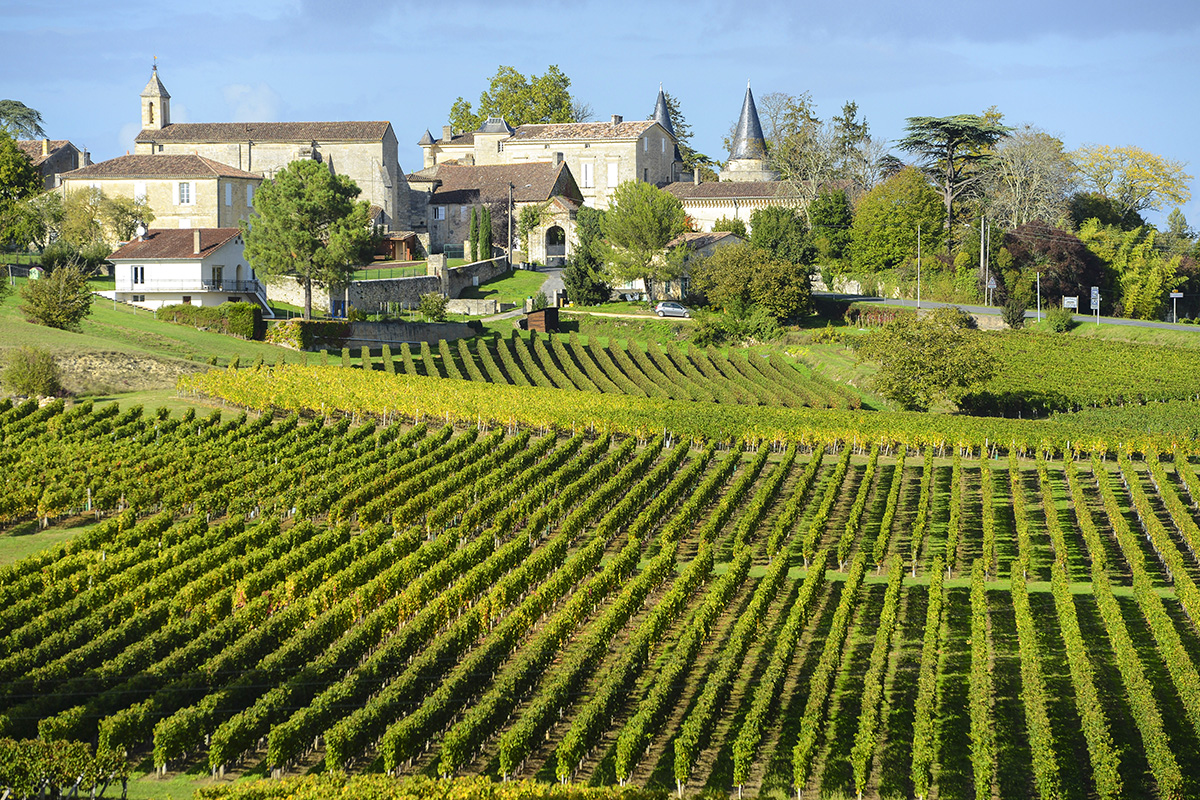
[[485, 234]]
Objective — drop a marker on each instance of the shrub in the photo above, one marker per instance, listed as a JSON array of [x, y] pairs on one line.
[[1060, 320], [32, 372], [60, 300], [1013, 312], [433, 306], [540, 301], [828, 335], [310, 334]]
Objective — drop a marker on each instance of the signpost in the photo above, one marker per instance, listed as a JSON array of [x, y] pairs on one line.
[[1175, 305], [1071, 302], [1096, 302], [991, 285]]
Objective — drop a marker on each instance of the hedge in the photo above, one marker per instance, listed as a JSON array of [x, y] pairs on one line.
[[310, 334], [244, 320]]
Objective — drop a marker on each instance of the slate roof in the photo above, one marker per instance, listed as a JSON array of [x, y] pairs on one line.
[[160, 165], [33, 148], [748, 141], [267, 132], [533, 182], [688, 190], [176, 244], [583, 130]]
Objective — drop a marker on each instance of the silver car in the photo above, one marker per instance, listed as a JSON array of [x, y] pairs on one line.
[[669, 308]]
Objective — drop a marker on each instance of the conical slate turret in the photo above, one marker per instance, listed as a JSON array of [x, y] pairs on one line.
[[749, 141], [662, 114]]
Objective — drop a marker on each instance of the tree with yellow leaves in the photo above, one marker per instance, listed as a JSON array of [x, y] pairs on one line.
[[1133, 179]]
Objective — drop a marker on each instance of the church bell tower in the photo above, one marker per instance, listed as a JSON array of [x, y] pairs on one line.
[[156, 103]]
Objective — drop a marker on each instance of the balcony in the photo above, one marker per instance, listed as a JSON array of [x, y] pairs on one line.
[[191, 286]]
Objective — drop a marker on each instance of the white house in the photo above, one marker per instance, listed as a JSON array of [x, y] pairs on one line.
[[200, 266]]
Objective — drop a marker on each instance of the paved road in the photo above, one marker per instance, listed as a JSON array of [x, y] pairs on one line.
[[996, 311]]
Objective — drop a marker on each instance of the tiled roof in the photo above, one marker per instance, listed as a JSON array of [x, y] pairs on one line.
[[687, 190], [160, 165], [176, 244], [533, 182], [33, 148], [699, 240], [267, 132], [583, 130]]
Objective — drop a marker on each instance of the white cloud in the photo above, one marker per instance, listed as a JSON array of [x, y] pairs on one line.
[[257, 103]]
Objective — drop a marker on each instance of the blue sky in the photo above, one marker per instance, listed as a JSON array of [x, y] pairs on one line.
[[1099, 72]]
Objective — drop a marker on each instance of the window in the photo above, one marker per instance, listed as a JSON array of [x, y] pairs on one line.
[[218, 275], [646, 175], [588, 179], [137, 298], [439, 212], [664, 144], [185, 193], [139, 274], [462, 213], [646, 145], [229, 194], [187, 300], [250, 195], [612, 174]]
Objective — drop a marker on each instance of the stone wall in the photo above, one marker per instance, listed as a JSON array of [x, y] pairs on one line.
[[376, 334], [474, 308], [468, 275], [371, 295]]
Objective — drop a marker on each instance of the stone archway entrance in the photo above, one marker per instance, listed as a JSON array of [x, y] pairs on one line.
[[556, 246]]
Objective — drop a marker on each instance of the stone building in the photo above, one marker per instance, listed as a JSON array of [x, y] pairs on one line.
[[600, 155], [366, 152], [183, 191], [747, 183], [451, 191], [52, 157]]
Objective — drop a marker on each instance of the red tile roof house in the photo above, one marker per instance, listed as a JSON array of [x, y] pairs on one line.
[[200, 266]]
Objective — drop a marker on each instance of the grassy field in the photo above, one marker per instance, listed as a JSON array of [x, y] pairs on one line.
[[513, 288]]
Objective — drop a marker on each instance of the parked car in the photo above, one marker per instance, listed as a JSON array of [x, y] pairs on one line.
[[669, 308]]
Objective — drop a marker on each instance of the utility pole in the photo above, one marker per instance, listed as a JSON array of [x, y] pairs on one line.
[[1039, 291], [918, 269]]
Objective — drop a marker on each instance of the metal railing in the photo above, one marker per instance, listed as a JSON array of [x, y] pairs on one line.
[[189, 285]]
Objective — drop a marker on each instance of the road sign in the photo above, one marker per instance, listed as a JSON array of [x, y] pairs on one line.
[[1177, 294], [1095, 298], [991, 284], [1071, 302]]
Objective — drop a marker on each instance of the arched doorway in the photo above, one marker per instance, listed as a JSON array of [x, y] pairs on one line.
[[556, 245]]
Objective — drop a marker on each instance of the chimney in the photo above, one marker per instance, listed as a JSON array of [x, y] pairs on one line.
[[196, 242], [696, 176], [617, 119], [45, 147], [447, 133]]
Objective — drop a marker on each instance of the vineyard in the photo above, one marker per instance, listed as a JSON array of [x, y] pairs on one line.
[[758, 616], [623, 368], [1044, 373]]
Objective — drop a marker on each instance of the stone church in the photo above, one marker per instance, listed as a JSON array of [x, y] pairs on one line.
[[366, 152]]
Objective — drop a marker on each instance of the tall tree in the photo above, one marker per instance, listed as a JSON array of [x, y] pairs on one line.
[[638, 224], [583, 276], [739, 277], [832, 220], [887, 219], [1133, 179], [308, 227], [952, 151], [19, 120], [1031, 178], [1144, 273], [19, 179], [520, 100], [1068, 268], [473, 239], [60, 300], [781, 231]]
